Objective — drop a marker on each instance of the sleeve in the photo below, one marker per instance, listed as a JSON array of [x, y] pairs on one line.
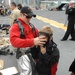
[[70, 11], [15, 39], [51, 58], [67, 7], [54, 69]]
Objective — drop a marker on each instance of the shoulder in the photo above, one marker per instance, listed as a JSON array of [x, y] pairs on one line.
[[55, 49], [14, 29], [56, 52], [14, 26], [16, 11], [34, 27]]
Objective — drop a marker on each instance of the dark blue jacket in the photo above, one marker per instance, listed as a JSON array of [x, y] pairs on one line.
[[44, 62]]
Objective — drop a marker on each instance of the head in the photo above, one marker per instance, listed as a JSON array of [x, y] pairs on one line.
[[19, 6], [72, 3], [47, 32], [26, 14], [12, 5]]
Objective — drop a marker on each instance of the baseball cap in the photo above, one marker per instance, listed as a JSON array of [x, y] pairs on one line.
[[27, 10]]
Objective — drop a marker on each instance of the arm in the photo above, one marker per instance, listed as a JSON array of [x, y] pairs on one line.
[[54, 69], [15, 39], [70, 11], [51, 58]]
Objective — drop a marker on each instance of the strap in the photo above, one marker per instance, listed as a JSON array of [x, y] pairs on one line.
[[33, 29], [18, 53], [21, 28], [34, 72]]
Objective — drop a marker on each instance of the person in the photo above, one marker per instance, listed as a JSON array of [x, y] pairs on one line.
[[19, 6], [29, 40], [15, 12], [47, 55], [71, 21], [72, 68]]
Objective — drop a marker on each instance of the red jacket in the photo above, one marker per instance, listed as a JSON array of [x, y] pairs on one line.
[[15, 39]]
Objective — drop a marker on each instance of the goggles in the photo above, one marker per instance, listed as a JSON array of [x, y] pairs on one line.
[[27, 16]]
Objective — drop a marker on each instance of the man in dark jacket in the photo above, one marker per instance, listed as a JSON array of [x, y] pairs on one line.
[[71, 21], [47, 55]]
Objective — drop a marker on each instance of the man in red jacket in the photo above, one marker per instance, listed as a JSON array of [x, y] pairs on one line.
[[29, 39]]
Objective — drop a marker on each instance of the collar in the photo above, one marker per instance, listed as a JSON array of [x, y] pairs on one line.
[[21, 20]]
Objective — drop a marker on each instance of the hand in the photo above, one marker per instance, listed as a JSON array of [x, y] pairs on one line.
[[71, 5], [43, 49], [40, 40]]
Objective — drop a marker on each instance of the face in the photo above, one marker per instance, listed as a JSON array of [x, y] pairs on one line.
[[12, 7], [71, 4], [26, 18]]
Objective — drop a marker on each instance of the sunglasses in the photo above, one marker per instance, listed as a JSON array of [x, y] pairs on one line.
[[27, 16]]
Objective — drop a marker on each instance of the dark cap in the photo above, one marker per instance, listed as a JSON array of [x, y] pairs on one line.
[[27, 10]]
